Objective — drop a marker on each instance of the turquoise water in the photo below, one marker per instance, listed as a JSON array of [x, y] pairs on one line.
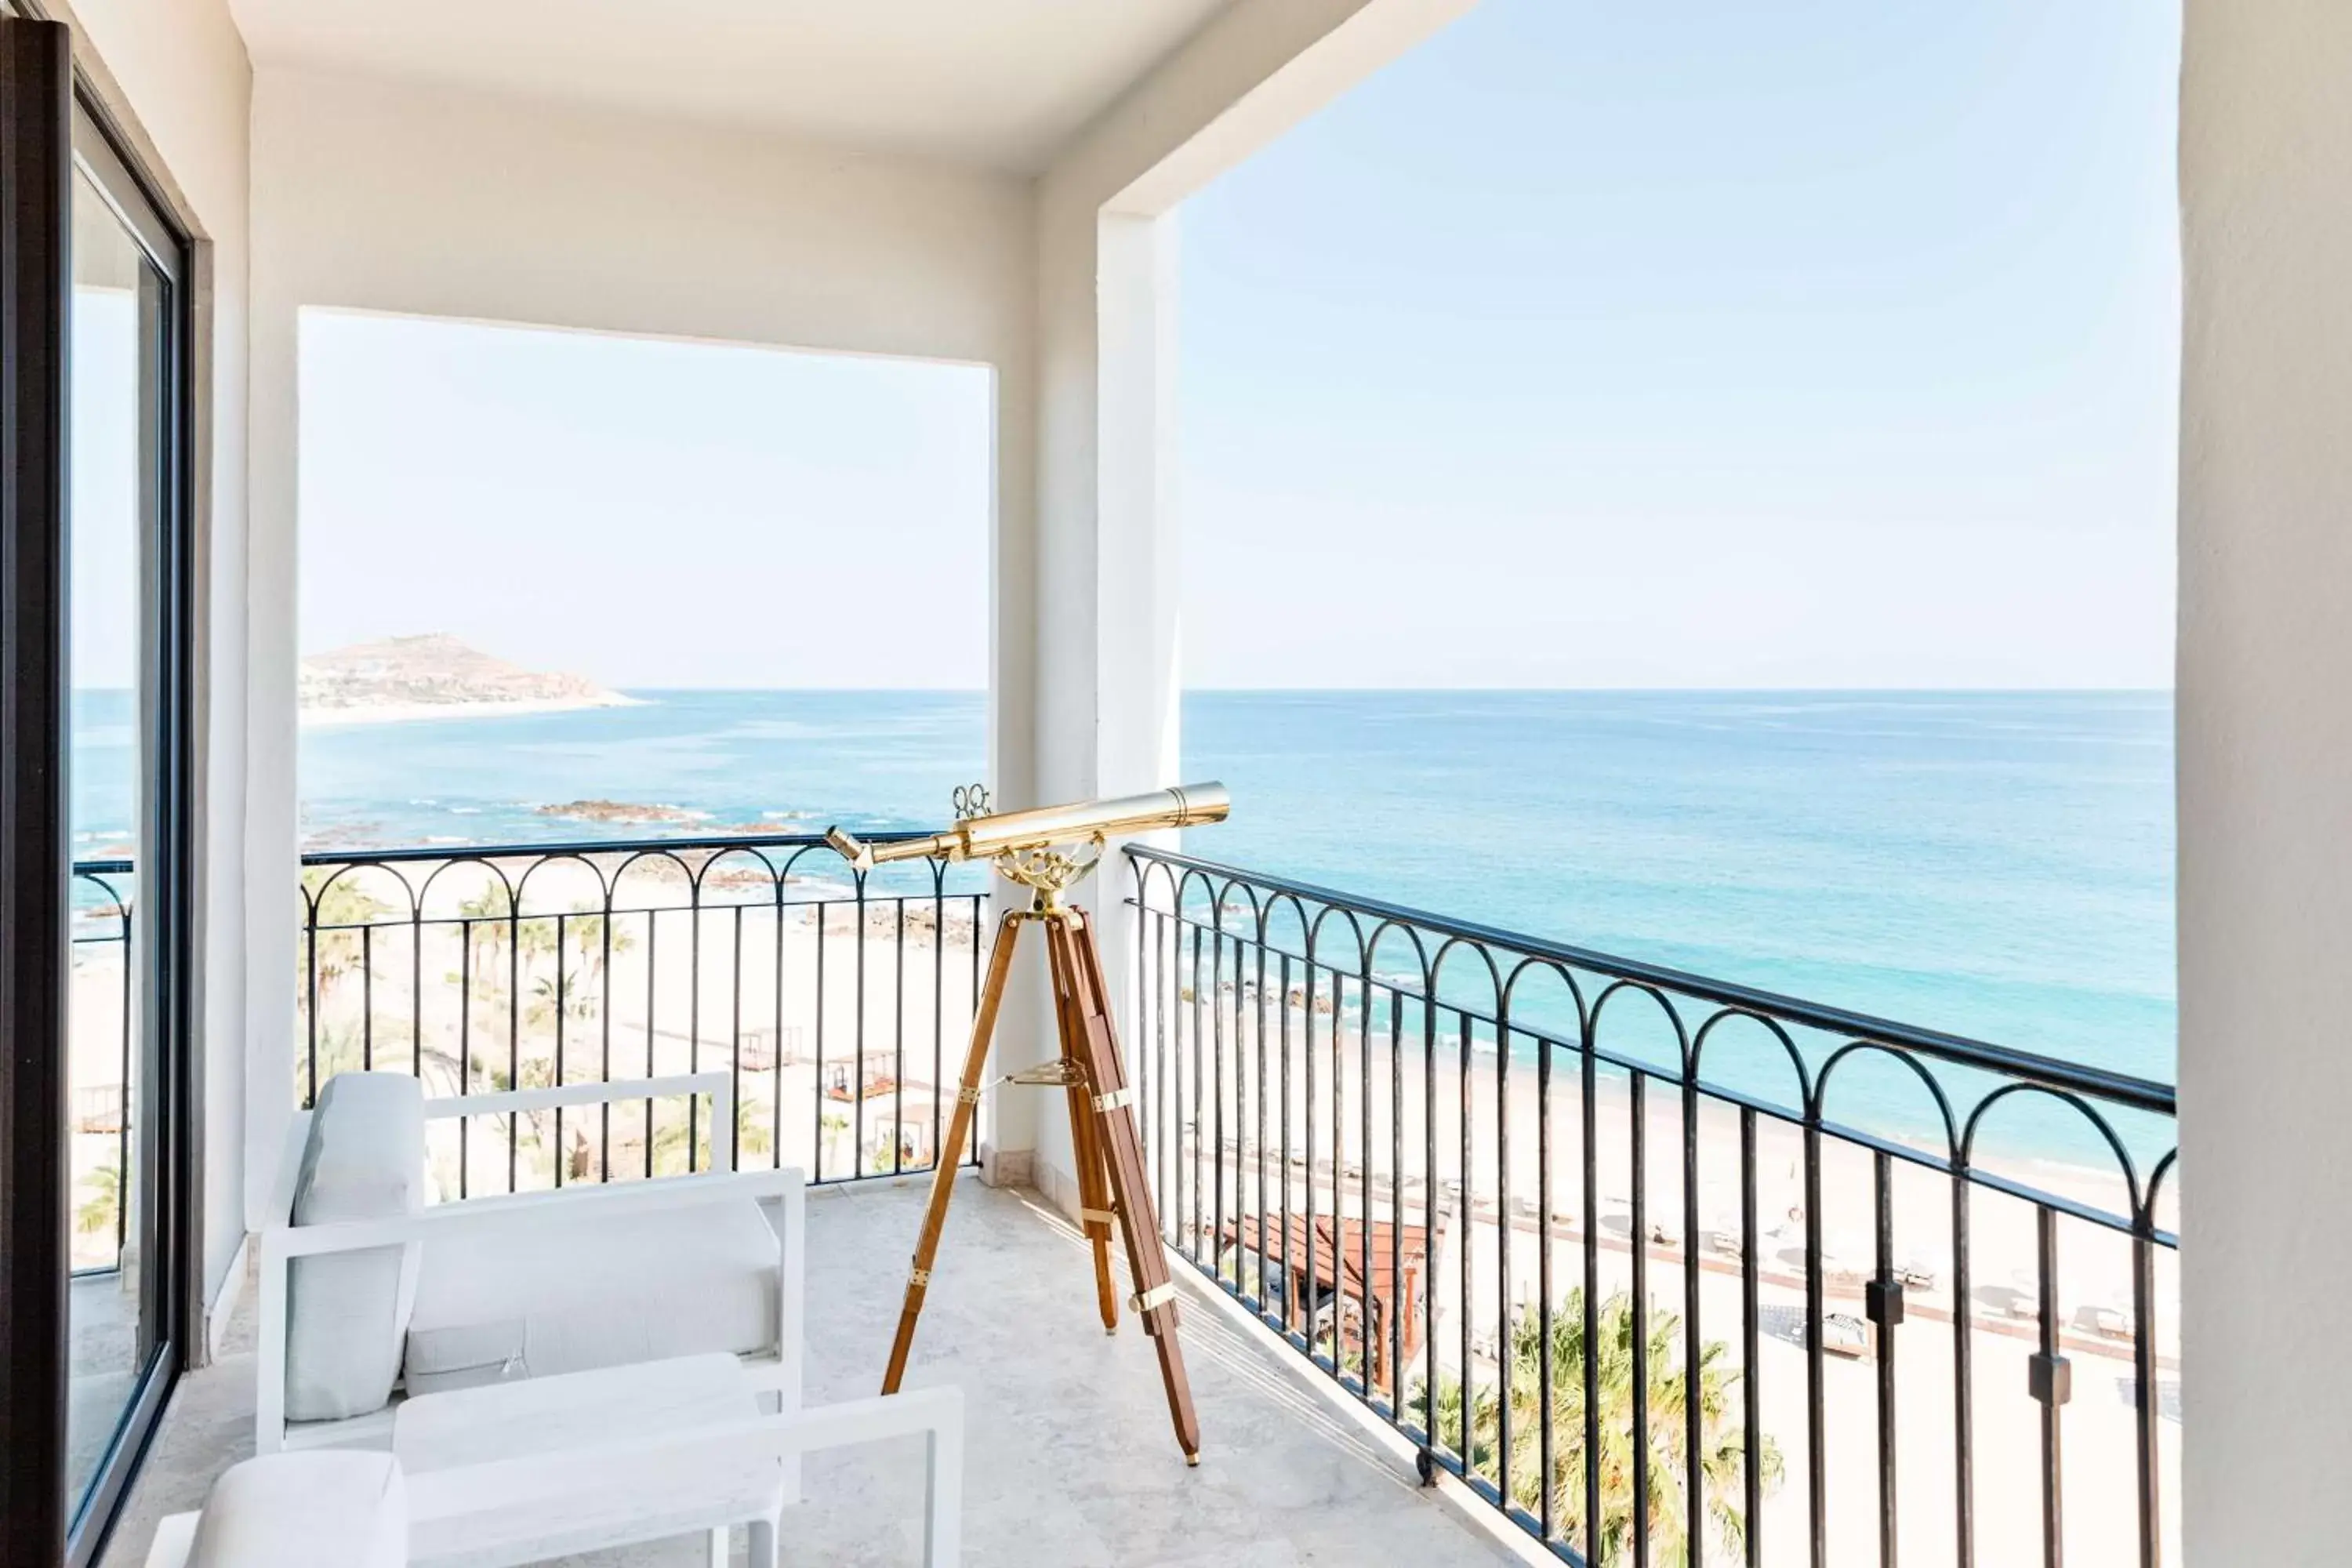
[[777, 762], [1992, 865], [1997, 865]]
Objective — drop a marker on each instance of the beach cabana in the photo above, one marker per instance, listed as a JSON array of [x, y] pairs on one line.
[[1324, 1267]]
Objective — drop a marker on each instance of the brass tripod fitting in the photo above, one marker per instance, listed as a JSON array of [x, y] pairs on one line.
[[1060, 1073]]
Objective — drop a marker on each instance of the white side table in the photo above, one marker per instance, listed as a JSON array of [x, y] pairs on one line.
[[472, 1509]]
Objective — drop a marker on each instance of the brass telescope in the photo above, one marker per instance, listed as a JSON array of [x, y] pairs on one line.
[[1008, 833], [1048, 850]]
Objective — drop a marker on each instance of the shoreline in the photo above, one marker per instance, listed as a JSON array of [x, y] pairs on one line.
[[368, 713], [1490, 1142], [2079, 1170]]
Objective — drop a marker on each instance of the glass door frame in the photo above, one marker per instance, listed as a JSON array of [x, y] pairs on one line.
[[54, 130]]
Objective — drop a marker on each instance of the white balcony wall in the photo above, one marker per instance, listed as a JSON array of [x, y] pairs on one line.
[[173, 74], [2266, 760], [381, 196]]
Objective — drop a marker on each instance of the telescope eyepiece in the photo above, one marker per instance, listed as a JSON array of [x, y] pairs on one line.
[[850, 847]]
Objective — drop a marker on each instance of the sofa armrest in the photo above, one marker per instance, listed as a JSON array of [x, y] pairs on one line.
[[576, 1202]]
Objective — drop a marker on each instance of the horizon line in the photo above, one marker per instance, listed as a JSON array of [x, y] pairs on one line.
[[1479, 691]]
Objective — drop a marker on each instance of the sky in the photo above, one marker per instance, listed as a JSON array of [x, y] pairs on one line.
[[647, 514], [103, 570], [1707, 343], [1827, 344]]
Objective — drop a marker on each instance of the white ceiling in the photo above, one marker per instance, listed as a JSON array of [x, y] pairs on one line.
[[996, 82]]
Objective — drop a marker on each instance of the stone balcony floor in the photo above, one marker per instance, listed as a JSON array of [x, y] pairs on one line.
[[1071, 1462]]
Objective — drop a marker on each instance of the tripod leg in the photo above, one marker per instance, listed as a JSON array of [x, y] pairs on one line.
[[1086, 1143], [1146, 1262], [950, 1153]]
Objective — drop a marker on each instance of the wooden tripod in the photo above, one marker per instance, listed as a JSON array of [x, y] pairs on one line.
[[1109, 1150]]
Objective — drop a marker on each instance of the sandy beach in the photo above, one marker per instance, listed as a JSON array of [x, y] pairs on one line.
[[417, 713], [95, 1101]]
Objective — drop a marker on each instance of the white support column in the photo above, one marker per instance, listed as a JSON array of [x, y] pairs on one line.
[[1106, 582], [272, 858], [1107, 592], [1106, 598], [1006, 1134], [1140, 573], [2266, 779], [1138, 586]]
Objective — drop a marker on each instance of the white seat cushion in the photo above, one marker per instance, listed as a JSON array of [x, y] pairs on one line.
[[306, 1510], [346, 1314], [584, 1292]]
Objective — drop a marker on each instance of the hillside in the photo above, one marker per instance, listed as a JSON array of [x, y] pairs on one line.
[[414, 676]]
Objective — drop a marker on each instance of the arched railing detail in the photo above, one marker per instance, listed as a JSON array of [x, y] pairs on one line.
[[1440, 1159], [833, 1000]]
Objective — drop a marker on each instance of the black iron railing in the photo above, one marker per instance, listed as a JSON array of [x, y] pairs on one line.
[[98, 1109], [1666, 1269], [830, 995]]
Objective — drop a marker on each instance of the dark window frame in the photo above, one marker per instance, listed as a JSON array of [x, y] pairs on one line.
[[40, 153]]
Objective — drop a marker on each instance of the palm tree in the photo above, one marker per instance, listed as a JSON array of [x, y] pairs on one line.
[[753, 1136], [96, 1213], [485, 976], [579, 1001], [587, 933], [673, 1153], [834, 1126], [341, 1048], [1722, 1445], [333, 900], [492, 921], [487, 931], [528, 1129]]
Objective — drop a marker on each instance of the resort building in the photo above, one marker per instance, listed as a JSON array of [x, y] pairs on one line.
[[1484, 1243]]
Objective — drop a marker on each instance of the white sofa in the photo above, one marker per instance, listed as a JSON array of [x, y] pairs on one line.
[[369, 1293]]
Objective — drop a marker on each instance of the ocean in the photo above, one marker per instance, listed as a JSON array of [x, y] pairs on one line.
[[1991, 864]]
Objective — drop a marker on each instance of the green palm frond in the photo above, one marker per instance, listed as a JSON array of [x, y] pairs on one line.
[[1471, 1429]]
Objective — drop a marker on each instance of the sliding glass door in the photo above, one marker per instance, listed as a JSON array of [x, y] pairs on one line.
[[94, 639], [119, 489]]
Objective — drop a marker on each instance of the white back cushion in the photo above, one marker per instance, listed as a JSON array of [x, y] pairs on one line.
[[306, 1510], [589, 1290], [347, 1313]]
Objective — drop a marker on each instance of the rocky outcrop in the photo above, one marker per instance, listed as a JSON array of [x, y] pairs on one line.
[[621, 812]]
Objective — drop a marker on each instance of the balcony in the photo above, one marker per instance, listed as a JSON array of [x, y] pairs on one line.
[[1416, 1164], [1991, 1374]]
